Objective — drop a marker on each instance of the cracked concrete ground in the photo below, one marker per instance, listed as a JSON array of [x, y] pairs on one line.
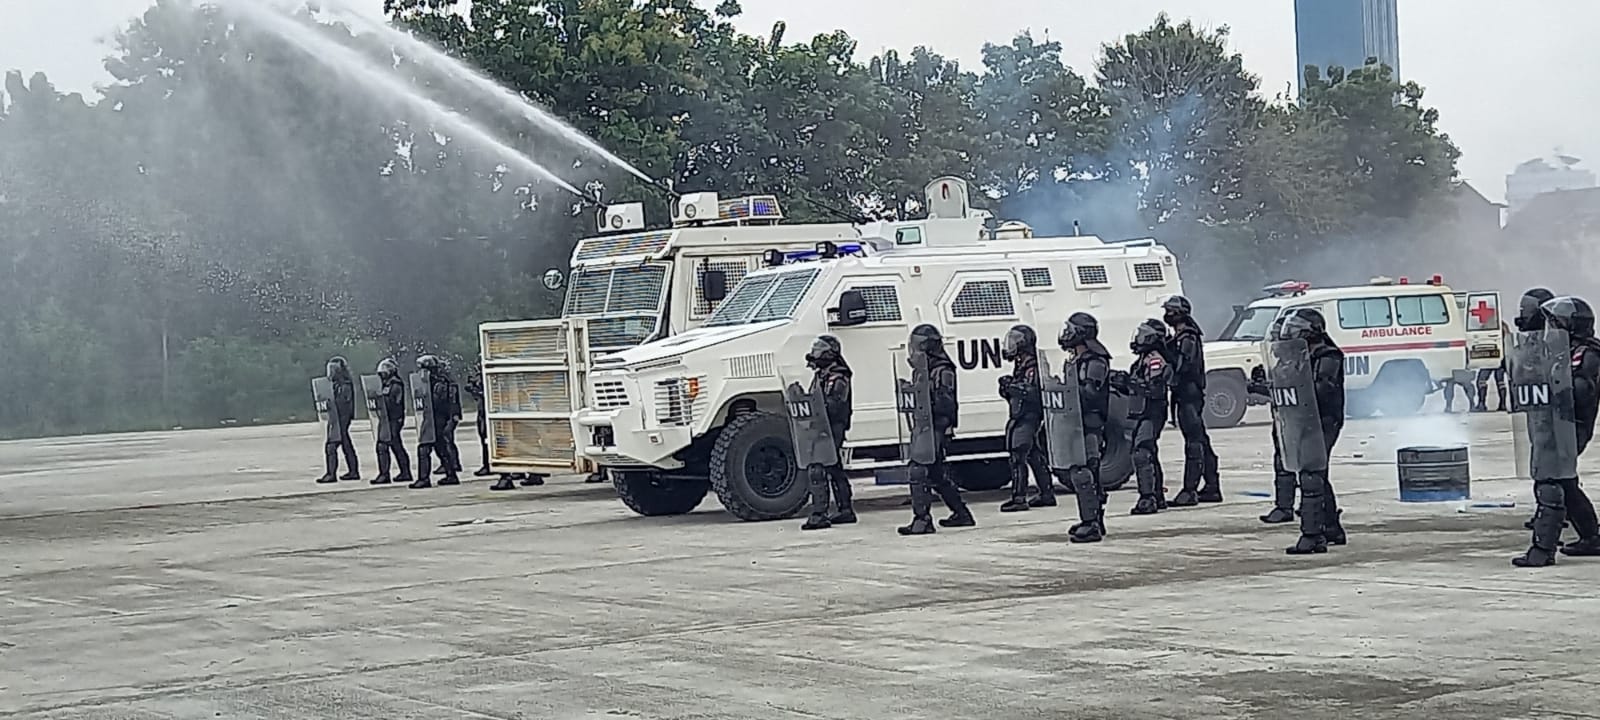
[[203, 575]]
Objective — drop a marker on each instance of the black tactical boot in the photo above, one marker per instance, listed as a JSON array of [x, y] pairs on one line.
[[817, 522], [1308, 545], [482, 472], [1145, 506], [330, 460], [1019, 488], [820, 486], [1210, 494], [1534, 558], [531, 480], [352, 475], [450, 479], [380, 480], [1334, 530], [1015, 504], [420, 483], [1085, 533], [503, 484], [325, 479], [1587, 547], [921, 507], [1277, 516], [1043, 499], [960, 515], [842, 498], [959, 518], [1185, 498]]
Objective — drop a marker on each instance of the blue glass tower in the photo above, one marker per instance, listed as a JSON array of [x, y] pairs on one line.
[[1345, 33]]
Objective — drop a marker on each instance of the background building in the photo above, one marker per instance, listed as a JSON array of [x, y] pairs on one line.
[[1345, 33], [1545, 175]]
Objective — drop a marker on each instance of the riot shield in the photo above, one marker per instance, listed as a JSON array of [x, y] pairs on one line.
[[421, 387], [372, 390], [807, 410], [1294, 406], [914, 401], [327, 412], [1541, 388], [1063, 412]]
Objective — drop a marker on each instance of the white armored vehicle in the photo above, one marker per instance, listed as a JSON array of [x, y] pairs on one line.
[[701, 411], [627, 286]]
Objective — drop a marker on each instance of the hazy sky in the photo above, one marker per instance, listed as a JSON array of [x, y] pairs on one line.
[[1508, 77]]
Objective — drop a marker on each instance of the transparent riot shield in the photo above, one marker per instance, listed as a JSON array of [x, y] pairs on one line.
[[421, 386], [1063, 412], [913, 384], [322, 393], [1541, 389], [1295, 417], [809, 428], [372, 391]]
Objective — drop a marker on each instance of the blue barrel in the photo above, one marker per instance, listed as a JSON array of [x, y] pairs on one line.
[[1430, 473]]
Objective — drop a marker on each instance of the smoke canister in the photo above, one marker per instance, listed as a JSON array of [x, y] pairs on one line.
[[1433, 473]]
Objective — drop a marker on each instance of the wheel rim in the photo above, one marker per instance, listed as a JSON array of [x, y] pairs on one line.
[[766, 468], [1221, 404]]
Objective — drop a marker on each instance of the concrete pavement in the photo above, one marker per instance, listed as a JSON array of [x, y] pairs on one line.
[[203, 575]]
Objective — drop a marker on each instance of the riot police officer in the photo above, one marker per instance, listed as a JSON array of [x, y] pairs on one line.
[[1562, 498], [475, 389], [453, 466], [930, 396], [1020, 389], [392, 405], [1146, 387], [342, 412], [1090, 368], [831, 376], [1309, 361], [1530, 319], [1187, 355], [442, 410]]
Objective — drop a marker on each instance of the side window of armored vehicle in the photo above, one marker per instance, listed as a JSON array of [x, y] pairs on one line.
[[883, 302], [983, 299], [1363, 313], [732, 269], [908, 236], [1088, 277], [1036, 279], [1146, 273], [1421, 310]]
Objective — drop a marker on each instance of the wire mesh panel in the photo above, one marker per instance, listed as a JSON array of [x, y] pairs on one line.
[[983, 298]]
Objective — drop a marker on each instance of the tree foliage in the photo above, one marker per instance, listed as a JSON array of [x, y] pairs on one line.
[[189, 245]]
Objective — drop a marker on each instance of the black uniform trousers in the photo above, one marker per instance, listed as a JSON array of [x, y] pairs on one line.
[[394, 450], [824, 478], [934, 479], [331, 450]]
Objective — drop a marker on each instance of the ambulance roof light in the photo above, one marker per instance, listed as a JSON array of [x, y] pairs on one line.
[[1287, 288], [1405, 280], [1437, 280], [1382, 280]]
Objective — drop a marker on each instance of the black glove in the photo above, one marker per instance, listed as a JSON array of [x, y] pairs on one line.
[[1258, 381], [1007, 383]]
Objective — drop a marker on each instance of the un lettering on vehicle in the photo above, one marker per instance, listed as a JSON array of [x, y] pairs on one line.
[[1357, 365], [975, 353]]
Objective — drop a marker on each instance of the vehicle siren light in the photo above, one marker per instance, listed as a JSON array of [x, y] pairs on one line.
[[772, 257], [1405, 280], [1437, 280]]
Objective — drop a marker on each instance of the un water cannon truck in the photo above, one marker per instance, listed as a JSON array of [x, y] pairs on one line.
[[700, 412], [1402, 341]]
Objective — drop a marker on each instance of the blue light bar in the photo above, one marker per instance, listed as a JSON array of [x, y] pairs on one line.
[[795, 256]]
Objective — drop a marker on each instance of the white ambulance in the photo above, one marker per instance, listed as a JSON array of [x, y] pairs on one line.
[[1401, 341]]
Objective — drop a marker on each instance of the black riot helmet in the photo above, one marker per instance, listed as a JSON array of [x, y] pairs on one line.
[[1530, 316], [1569, 313], [1176, 309], [927, 338], [1150, 335], [825, 351], [1303, 324], [1080, 328], [429, 362], [338, 368], [1020, 340], [388, 368]]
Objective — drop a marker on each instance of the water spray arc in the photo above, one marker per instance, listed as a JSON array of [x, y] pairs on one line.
[[342, 59], [511, 101]]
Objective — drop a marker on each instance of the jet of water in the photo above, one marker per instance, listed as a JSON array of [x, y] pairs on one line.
[[345, 60], [509, 100]]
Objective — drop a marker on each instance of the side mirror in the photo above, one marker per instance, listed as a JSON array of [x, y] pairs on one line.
[[713, 285], [1237, 309], [852, 310]]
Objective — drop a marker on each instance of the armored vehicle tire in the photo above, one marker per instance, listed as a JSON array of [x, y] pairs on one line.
[[1400, 389], [650, 494], [981, 475], [752, 468], [1227, 397]]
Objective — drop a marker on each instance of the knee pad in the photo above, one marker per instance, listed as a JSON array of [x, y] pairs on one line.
[[816, 474], [1143, 456], [1083, 481], [1550, 495]]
